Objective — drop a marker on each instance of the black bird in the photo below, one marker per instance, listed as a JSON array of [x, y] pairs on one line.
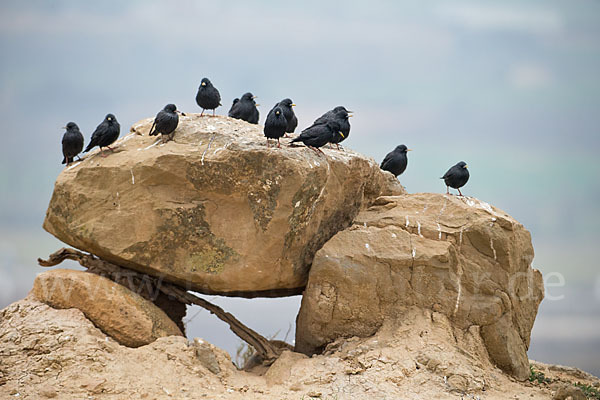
[[166, 121], [286, 106], [208, 97], [339, 114], [245, 109], [275, 125], [396, 160], [105, 134], [319, 135], [456, 177], [72, 142]]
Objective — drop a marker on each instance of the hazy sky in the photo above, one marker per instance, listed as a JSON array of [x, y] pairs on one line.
[[511, 87]]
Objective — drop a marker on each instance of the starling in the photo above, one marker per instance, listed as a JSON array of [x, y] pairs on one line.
[[396, 160], [286, 106], [72, 142], [166, 121], [208, 97], [105, 134], [456, 177], [319, 135], [339, 114], [275, 125], [245, 109]]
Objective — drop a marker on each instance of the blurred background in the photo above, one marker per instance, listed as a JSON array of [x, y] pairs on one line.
[[511, 87]]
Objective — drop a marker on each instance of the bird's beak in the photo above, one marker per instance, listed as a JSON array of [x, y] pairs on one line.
[[254, 97], [203, 84], [64, 127], [408, 149], [109, 118], [257, 104], [350, 112], [465, 166], [350, 115], [341, 134], [293, 105]]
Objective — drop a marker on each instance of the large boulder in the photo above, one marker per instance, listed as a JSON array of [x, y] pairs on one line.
[[457, 256], [214, 210], [120, 313]]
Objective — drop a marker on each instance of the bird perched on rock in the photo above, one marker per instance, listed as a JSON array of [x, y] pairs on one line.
[[72, 142], [105, 134], [396, 160], [166, 122], [339, 114], [286, 106], [245, 109], [319, 135], [208, 97], [275, 125], [456, 177]]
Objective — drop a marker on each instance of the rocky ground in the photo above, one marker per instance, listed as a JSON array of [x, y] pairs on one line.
[[50, 353]]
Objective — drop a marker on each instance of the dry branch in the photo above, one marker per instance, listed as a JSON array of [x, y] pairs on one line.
[[137, 281]]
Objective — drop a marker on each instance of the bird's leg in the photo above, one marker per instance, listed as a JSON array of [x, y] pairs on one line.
[[110, 148], [214, 112], [460, 194], [267, 143], [319, 151], [338, 146], [102, 153], [202, 113], [313, 149], [285, 135], [278, 144], [447, 189]]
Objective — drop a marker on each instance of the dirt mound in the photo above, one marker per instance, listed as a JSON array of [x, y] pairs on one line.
[[49, 353]]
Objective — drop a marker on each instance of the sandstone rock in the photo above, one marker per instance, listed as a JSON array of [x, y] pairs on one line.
[[206, 355], [569, 391], [214, 210], [125, 316], [280, 370], [48, 392], [459, 257]]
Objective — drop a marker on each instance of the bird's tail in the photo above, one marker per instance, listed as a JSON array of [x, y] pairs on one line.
[[152, 131], [64, 161], [297, 139], [88, 148]]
